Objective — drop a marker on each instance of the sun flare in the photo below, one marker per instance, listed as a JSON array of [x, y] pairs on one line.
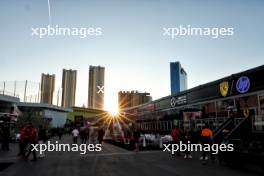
[[114, 111], [112, 108]]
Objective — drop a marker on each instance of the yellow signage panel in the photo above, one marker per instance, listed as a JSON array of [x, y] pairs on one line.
[[224, 87]]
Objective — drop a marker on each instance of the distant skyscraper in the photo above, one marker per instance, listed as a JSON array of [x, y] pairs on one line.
[[128, 99], [47, 88], [178, 78], [68, 88], [96, 87]]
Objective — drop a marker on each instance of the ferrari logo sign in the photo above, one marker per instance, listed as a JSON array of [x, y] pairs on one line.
[[246, 112], [224, 87]]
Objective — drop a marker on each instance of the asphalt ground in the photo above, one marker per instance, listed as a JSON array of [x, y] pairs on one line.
[[112, 161]]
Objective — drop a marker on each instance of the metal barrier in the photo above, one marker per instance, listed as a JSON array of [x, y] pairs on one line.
[[28, 91], [167, 125]]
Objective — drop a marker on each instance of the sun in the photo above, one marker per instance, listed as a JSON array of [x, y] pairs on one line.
[[112, 108], [114, 112]]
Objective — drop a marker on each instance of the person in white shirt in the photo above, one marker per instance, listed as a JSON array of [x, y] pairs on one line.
[[75, 134]]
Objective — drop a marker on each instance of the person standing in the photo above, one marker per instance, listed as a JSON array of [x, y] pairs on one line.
[[20, 145], [42, 137], [5, 137], [87, 134], [186, 140], [33, 138], [136, 136], [176, 137], [60, 133], [206, 138], [83, 135], [1, 135], [222, 155], [100, 135], [75, 134], [24, 140]]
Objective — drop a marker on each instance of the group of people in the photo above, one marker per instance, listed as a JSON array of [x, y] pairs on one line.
[[30, 135], [27, 135], [84, 134], [204, 136]]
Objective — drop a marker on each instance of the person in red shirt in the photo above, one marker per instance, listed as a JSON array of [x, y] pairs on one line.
[[176, 136], [206, 138], [24, 139], [32, 133]]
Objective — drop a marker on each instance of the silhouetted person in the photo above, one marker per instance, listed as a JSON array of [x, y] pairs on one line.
[[100, 135], [5, 137], [186, 139], [87, 133], [136, 136], [83, 135], [1, 133], [60, 133], [42, 137], [20, 145], [224, 140]]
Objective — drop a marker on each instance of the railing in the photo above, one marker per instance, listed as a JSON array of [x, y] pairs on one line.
[[219, 130], [243, 124], [8, 94], [167, 125], [28, 91]]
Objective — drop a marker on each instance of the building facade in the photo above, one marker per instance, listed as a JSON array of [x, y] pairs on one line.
[[47, 88], [128, 99], [84, 116], [96, 87], [54, 115], [178, 78], [68, 88], [240, 95]]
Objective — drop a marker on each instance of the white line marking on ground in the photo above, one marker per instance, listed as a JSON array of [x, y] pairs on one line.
[[121, 153]]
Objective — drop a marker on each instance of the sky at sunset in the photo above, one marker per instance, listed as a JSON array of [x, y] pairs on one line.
[[132, 47]]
